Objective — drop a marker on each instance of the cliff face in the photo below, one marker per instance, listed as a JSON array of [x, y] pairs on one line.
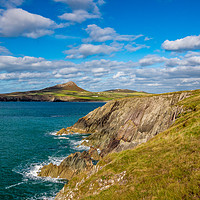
[[165, 167], [71, 166], [48, 98], [118, 125], [123, 124]]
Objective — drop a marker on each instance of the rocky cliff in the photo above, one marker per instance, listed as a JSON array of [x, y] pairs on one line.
[[165, 167], [71, 166], [48, 98], [125, 123]]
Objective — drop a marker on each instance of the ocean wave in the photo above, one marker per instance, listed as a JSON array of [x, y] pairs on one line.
[[43, 196], [81, 148], [11, 186], [52, 133], [57, 116], [30, 171], [75, 142], [61, 138], [76, 145]]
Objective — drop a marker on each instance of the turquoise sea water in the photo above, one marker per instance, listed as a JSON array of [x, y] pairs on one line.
[[28, 141]]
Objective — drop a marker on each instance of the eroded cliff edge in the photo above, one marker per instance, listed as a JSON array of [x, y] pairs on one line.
[[125, 123]]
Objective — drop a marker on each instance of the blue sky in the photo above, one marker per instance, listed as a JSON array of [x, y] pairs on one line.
[[148, 45]]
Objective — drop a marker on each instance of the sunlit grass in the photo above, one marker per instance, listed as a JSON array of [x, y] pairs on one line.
[[166, 167]]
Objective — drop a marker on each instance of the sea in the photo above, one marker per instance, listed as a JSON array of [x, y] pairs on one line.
[[28, 141]]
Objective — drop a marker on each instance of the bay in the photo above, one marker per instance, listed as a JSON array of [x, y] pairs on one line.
[[28, 141]]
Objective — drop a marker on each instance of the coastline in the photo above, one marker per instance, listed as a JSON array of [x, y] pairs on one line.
[[92, 123]]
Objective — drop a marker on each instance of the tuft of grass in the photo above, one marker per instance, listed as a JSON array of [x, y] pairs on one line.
[[166, 167]]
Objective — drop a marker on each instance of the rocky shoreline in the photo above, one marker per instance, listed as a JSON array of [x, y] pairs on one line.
[[117, 126], [42, 98]]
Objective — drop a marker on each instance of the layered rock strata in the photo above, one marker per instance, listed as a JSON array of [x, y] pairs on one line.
[[70, 166], [125, 123], [117, 126]]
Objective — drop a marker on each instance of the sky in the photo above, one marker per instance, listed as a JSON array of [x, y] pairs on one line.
[[144, 45]]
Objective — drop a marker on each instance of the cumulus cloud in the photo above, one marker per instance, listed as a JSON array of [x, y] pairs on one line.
[[81, 10], [184, 44], [27, 75], [98, 34], [88, 5], [11, 3], [135, 47], [119, 74], [86, 50], [27, 63], [17, 22], [78, 16], [151, 60], [174, 73]]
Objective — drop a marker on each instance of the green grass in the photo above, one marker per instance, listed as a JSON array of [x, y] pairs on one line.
[[166, 167], [93, 96]]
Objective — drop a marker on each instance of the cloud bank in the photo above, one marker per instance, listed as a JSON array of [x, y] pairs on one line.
[[184, 44]]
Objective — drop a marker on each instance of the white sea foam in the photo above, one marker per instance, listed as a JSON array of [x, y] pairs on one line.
[[56, 160], [30, 171], [81, 147], [11, 186], [53, 133], [76, 145], [43, 196], [61, 138]]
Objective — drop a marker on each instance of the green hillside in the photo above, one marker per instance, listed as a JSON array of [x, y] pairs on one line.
[[166, 167]]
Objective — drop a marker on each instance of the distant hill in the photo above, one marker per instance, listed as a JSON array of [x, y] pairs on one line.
[[68, 92], [71, 86], [121, 91]]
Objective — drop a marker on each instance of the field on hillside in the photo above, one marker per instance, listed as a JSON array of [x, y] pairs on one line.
[[92, 96]]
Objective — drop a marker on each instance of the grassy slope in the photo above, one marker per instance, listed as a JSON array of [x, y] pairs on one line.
[[95, 96], [166, 167]]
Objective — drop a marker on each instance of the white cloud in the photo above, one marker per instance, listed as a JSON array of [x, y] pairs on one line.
[[151, 60], [99, 70], [17, 22], [4, 51], [105, 34], [27, 63], [147, 38], [101, 2], [68, 70], [79, 16], [154, 84], [136, 47], [27, 75], [67, 76], [119, 74], [11, 3], [88, 5], [82, 10], [182, 74], [184, 44], [86, 50]]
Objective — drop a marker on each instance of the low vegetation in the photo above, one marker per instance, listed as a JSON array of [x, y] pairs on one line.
[[78, 95]]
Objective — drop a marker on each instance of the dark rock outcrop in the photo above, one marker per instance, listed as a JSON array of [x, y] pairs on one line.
[[70, 166]]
